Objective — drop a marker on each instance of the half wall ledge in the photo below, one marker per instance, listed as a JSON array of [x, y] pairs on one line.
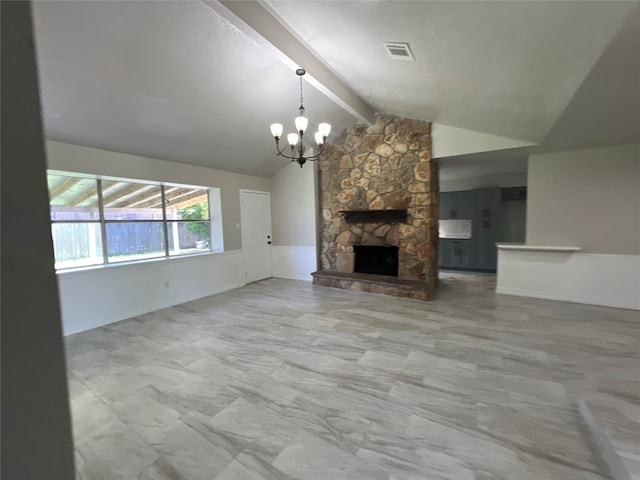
[[371, 283], [536, 248]]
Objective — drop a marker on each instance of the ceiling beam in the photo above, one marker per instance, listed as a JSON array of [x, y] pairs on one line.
[[116, 198], [146, 201], [112, 191], [184, 195], [91, 193], [131, 200], [182, 198], [263, 26], [189, 199], [157, 202], [63, 187]]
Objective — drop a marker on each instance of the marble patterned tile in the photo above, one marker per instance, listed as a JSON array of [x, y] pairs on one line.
[[121, 450], [255, 361], [246, 467], [89, 464], [417, 464], [116, 384], [199, 395], [311, 458], [284, 380], [339, 427], [477, 450], [190, 454], [89, 415], [146, 412], [263, 390], [304, 379], [255, 429], [447, 405], [160, 470]]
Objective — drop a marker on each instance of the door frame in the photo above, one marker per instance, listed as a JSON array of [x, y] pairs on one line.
[[243, 220]]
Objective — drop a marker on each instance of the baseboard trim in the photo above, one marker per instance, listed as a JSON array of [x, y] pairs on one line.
[[566, 298]]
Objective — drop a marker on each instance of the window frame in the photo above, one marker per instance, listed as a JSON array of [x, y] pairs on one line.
[[102, 221]]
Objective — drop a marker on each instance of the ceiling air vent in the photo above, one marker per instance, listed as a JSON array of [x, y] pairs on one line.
[[399, 51]]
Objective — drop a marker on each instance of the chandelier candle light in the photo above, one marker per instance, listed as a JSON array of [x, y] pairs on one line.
[[295, 140]]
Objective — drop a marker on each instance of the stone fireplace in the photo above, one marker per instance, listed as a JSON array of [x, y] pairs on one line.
[[379, 188]]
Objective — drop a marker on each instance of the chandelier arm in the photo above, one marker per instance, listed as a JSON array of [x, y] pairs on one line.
[[282, 153], [314, 157], [296, 157]]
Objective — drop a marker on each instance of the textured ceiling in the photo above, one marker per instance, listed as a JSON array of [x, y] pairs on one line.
[[504, 68], [176, 80], [170, 80]]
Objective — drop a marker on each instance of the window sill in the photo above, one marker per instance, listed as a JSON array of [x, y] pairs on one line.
[[92, 269]]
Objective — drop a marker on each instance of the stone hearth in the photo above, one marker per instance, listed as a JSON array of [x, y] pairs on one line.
[[384, 167]]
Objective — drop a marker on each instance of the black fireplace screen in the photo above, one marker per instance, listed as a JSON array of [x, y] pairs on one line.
[[378, 260]]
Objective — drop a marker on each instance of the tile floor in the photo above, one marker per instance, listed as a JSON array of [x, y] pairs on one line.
[[284, 380]]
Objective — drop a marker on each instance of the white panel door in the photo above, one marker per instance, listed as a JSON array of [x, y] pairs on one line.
[[256, 234]]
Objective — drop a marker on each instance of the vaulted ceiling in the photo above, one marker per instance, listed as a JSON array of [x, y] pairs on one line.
[[200, 82]]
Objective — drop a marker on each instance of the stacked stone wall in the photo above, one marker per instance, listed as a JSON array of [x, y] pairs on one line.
[[386, 166]]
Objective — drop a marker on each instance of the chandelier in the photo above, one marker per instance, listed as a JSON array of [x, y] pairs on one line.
[[296, 140]]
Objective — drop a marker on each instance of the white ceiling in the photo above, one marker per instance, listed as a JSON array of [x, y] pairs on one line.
[[170, 80], [504, 68], [178, 81], [606, 108]]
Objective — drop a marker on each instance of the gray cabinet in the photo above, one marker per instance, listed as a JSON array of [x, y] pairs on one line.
[[463, 204], [456, 205], [486, 203], [486, 219], [458, 253], [482, 206], [446, 205]]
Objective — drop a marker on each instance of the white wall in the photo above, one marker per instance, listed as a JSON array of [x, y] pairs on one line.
[[451, 141], [294, 221], [294, 206], [295, 263], [95, 297], [587, 198], [511, 179], [609, 280]]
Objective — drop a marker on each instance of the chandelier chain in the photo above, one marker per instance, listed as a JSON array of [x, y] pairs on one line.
[[301, 97]]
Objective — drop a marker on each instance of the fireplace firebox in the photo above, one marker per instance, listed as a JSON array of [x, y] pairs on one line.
[[376, 259]]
